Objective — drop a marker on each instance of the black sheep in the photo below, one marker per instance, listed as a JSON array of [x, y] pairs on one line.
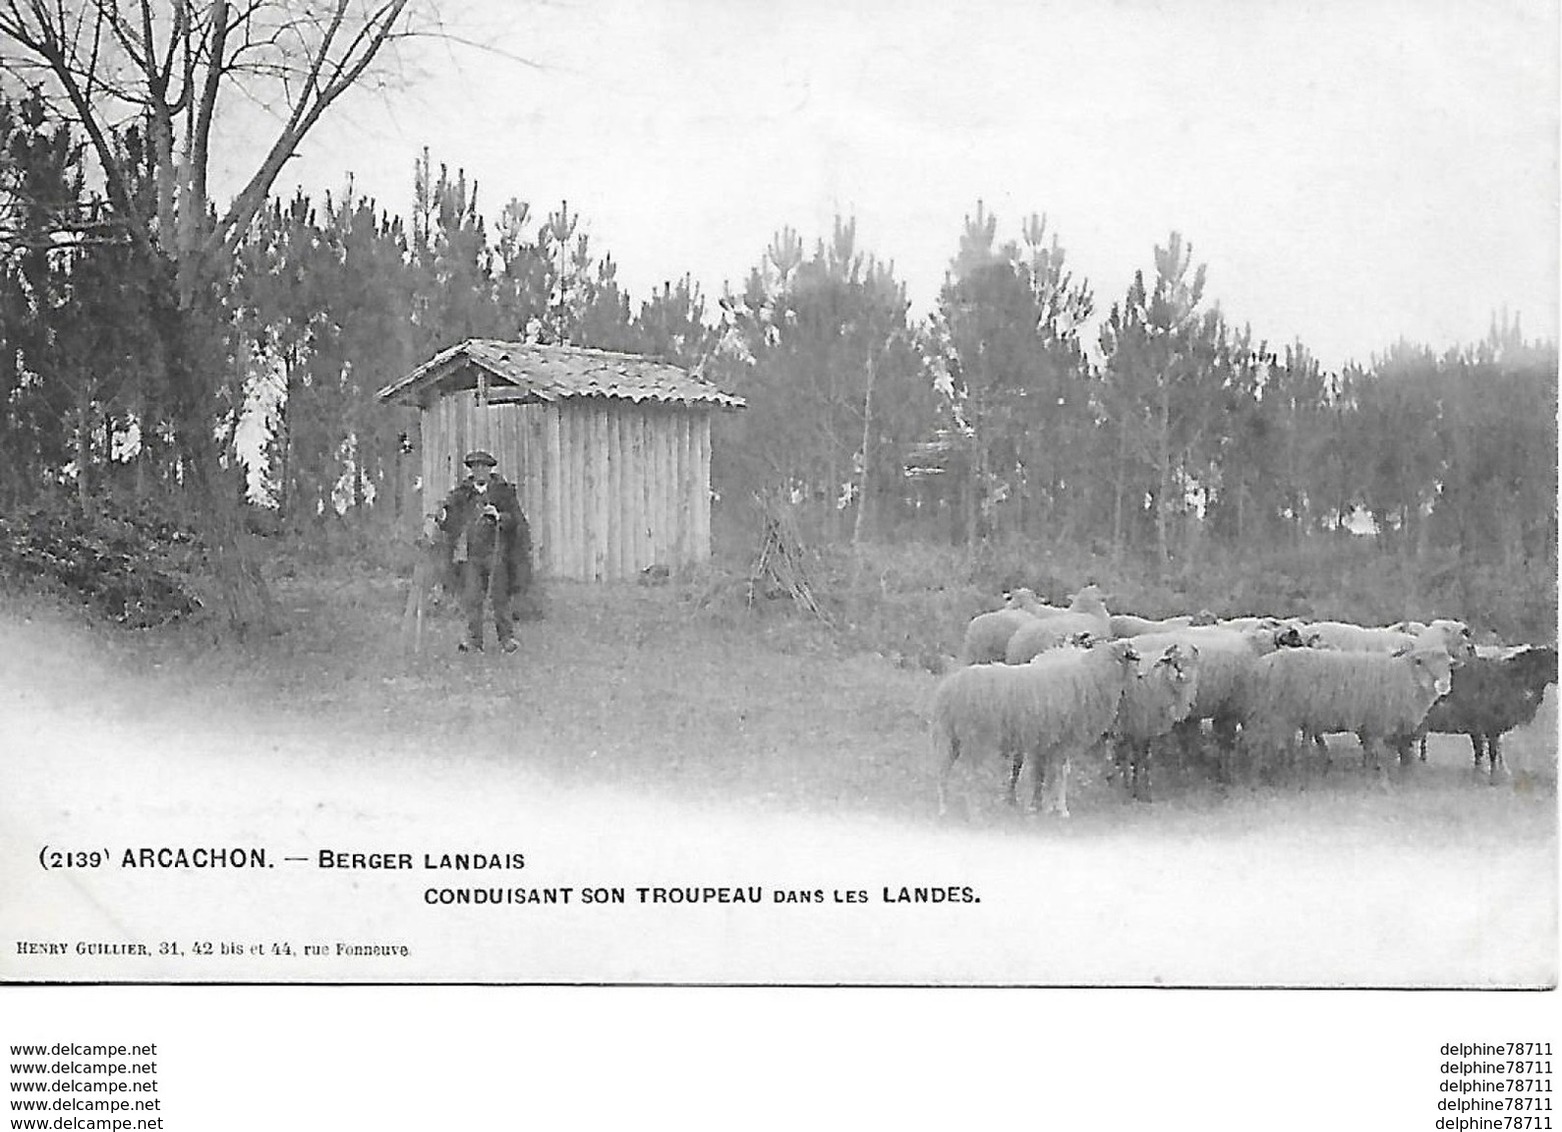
[[1494, 692]]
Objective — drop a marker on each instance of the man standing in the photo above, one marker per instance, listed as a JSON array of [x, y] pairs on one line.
[[490, 548]]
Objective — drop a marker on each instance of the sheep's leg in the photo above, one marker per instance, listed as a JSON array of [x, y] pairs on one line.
[[1251, 739], [1224, 731], [1060, 787], [1016, 764], [1374, 744], [1478, 750], [1295, 757], [1142, 758], [1121, 765], [1372, 747], [1323, 749], [947, 746], [1185, 736], [1494, 756], [1040, 766], [1369, 758], [1138, 771]]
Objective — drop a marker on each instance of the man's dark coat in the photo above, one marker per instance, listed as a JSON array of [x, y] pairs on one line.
[[468, 535]]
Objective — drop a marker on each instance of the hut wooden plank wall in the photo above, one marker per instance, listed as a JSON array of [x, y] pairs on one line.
[[610, 452]]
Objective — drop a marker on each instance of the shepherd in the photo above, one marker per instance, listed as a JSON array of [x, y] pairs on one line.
[[490, 548]]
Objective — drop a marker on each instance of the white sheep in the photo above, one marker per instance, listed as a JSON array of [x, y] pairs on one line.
[[1086, 618], [1241, 624], [987, 636], [1160, 696], [1225, 657], [1064, 701], [1452, 636], [1380, 697], [1130, 625]]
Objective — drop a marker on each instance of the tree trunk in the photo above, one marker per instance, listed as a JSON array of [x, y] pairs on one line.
[[194, 353], [864, 488], [83, 442], [974, 474], [1163, 493], [1120, 489]]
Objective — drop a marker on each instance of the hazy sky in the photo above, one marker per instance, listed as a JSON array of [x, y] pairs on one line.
[[1350, 171]]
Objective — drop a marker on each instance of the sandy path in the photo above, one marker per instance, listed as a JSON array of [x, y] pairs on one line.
[[87, 764]]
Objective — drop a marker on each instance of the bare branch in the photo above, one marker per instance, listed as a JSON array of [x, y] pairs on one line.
[[44, 41], [215, 66], [378, 28], [166, 63]]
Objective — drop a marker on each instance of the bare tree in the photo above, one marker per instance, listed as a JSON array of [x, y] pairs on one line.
[[163, 71], [165, 65]]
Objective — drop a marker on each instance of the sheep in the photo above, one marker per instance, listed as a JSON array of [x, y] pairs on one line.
[[1225, 656], [1129, 625], [1054, 633], [1159, 697], [1452, 636], [988, 634], [1042, 711], [1378, 696], [1086, 617], [1042, 610], [1241, 624], [1493, 692]]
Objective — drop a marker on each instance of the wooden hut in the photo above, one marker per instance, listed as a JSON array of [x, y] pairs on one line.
[[610, 452]]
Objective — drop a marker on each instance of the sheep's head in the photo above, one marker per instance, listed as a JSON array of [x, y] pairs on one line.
[[1432, 669], [1089, 600], [1181, 659], [1260, 641], [1535, 666], [1178, 666], [1454, 636], [1205, 617], [1288, 635], [1122, 651], [1022, 598]]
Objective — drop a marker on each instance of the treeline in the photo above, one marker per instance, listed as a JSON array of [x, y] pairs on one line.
[[1154, 433], [327, 301]]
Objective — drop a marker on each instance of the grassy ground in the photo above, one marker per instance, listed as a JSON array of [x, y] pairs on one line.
[[668, 734], [683, 689]]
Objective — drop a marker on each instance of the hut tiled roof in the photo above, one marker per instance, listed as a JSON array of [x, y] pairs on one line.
[[554, 373]]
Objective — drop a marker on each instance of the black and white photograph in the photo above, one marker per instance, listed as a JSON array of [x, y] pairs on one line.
[[873, 501]]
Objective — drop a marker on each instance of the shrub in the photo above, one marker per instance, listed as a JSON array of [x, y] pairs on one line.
[[126, 563]]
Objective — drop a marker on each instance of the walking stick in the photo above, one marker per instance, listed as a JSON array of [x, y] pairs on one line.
[[426, 570]]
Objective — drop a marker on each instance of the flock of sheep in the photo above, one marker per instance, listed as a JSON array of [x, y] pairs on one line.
[[1043, 685]]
